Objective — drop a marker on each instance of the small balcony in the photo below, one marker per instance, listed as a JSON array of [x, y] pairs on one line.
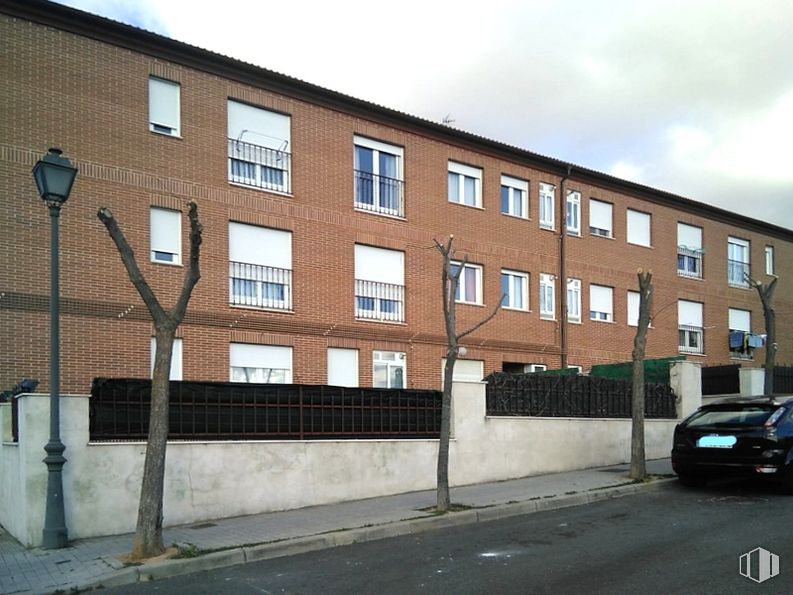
[[690, 339], [379, 194], [379, 301], [258, 286], [689, 263], [738, 273], [260, 167]]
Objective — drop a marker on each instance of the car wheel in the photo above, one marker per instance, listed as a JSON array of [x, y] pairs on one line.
[[691, 480]]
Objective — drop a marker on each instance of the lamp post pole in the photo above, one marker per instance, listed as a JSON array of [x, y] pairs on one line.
[[54, 177], [55, 532]]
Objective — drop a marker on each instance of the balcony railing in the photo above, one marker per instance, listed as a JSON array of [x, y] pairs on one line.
[[379, 194], [690, 339], [379, 301], [260, 286], [261, 167], [689, 262], [738, 273]]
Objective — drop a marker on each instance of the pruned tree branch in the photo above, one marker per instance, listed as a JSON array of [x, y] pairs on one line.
[[193, 272], [484, 321], [128, 258]]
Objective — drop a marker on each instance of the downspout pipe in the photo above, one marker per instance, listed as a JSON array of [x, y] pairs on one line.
[[563, 267]]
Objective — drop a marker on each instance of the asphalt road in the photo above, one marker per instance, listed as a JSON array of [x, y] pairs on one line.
[[671, 540]]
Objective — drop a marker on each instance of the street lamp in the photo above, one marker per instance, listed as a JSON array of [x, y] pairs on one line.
[[54, 177]]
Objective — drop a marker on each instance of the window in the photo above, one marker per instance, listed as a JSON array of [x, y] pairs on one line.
[[738, 270], [342, 366], [378, 177], [547, 296], [574, 213], [521, 368], [165, 229], [769, 260], [689, 251], [379, 284], [258, 146], [514, 197], [578, 369], [260, 267], [266, 364], [465, 184], [600, 218], [638, 228], [469, 288], [515, 290], [601, 303], [740, 337], [163, 106], [176, 359], [689, 327], [574, 300], [547, 192], [634, 300], [388, 369]]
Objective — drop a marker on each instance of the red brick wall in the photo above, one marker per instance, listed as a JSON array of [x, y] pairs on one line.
[[94, 105]]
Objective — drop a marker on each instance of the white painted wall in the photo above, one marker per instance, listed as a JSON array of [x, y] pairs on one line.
[[208, 480]]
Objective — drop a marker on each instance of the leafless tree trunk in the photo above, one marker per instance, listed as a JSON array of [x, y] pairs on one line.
[[638, 466], [450, 279], [148, 533], [766, 293]]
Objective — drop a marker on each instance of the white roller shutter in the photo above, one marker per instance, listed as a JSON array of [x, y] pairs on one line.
[[689, 236], [689, 313], [638, 228], [342, 366], [258, 126], [260, 245], [600, 299], [379, 265], [740, 320], [164, 104], [600, 214]]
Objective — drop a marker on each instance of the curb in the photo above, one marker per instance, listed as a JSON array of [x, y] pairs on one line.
[[299, 545]]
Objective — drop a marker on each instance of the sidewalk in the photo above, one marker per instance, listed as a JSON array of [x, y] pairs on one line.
[[91, 562]]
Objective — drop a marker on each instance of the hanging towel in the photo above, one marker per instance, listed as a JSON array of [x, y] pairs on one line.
[[755, 341], [736, 339]]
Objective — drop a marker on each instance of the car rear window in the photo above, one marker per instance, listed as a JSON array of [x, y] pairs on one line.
[[737, 416]]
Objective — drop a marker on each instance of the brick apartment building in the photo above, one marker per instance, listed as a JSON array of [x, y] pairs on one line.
[[319, 213]]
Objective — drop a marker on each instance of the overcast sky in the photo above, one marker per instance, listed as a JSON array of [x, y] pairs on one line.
[[693, 97]]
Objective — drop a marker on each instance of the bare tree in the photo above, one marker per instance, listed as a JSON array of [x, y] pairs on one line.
[[148, 533], [450, 279], [638, 467], [766, 293]]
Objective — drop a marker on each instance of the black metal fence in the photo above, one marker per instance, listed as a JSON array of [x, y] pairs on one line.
[[537, 395], [119, 410], [721, 380], [783, 380]]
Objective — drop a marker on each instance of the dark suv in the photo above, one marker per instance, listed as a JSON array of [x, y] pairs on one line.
[[749, 436]]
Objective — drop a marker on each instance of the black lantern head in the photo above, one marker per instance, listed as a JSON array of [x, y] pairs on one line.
[[54, 177]]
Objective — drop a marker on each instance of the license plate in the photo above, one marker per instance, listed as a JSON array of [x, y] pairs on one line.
[[717, 441]]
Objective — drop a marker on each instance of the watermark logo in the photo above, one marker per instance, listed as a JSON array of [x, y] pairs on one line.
[[759, 565]]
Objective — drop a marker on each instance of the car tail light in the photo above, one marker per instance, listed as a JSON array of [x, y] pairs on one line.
[[765, 469]]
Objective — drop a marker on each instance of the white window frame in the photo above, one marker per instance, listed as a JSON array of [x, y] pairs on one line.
[[378, 147], [769, 260], [690, 325], [175, 372], [165, 236], [379, 281], [264, 255], [515, 279], [547, 296], [457, 174], [597, 299], [277, 359], [689, 251], [391, 360], [517, 191], [739, 319], [633, 302], [601, 218], [738, 253], [546, 202], [164, 106], [574, 300], [461, 285], [638, 228], [342, 367], [260, 140], [573, 214]]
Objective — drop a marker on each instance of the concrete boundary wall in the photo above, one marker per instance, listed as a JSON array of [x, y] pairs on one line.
[[209, 480]]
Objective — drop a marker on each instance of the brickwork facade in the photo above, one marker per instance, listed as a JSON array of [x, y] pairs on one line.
[[70, 82]]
